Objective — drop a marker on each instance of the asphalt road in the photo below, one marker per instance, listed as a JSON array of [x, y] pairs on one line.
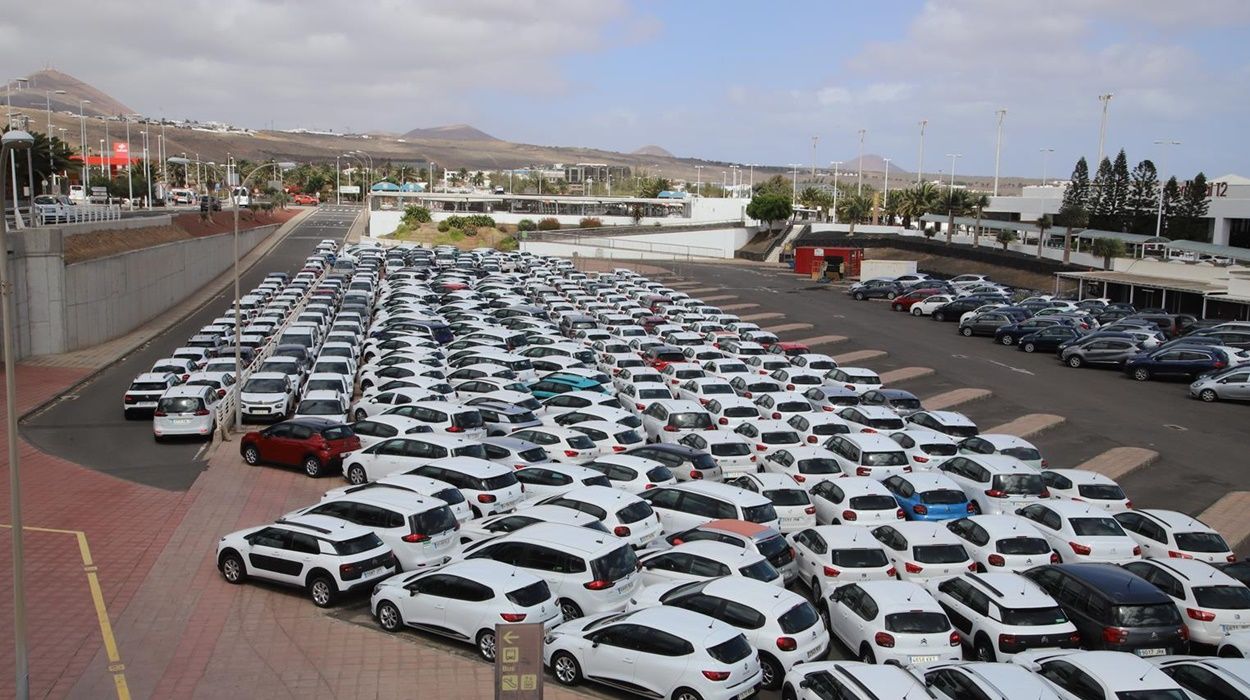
[[88, 428], [1202, 447]]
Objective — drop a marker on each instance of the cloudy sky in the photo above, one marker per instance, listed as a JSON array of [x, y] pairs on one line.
[[727, 80]]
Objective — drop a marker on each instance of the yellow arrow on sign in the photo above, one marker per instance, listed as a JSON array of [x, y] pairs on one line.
[[509, 637]]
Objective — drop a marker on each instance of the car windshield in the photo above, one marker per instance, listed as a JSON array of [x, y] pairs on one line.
[[1101, 492], [917, 622], [801, 617], [733, 368], [433, 521], [858, 558], [634, 512], [884, 459], [741, 412], [940, 553], [1096, 527], [943, 497], [690, 421], [788, 497], [1019, 484], [185, 404], [873, 502], [819, 465], [659, 474], [760, 571], [280, 367], [319, 407], [1201, 542], [531, 595], [1146, 615], [615, 565], [356, 545], [521, 417], [1223, 597], [264, 386], [659, 393], [1034, 617], [732, 651], [467, 420], [1022, 545], [731, 449], [325, 385], [759, 514]]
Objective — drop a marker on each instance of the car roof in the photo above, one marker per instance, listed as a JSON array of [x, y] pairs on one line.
[[1010, 589], [1120, 671], [391, 498], [860, 486], [181, 390], [1173, 519], [722, 552], [918, 533], [760, 595], [1197, 573], [873, 442], [153, 377], [1082, 476], [774, 480], [323, 527], [744, 528], [899, 595], [1001, 441], [569, 537], [998, 464], [1073, 509], [699, 629], [846, 536], [926, 481], [1118, 584], [721, 491]]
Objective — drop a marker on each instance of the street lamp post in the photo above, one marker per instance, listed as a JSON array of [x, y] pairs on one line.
[[130, 185], [1162, 187], [751, 184], [885, 198], [859, 188], [51, 163], [837, 165], [1102, 125], [998, 147], [794, 183], [815, 140], [1045, 155], [951, 191], [82, 130], [13, 141], [698, 184], [920, 163]]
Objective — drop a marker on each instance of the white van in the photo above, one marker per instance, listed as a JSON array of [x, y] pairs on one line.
[[181, 196], [78, 194], [241, 196]]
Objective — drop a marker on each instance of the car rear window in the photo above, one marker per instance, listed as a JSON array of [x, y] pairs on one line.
[[634, 512], [580, 442], [528, 596], [148, 386], [536, 454], [917, 623], [628, 437], [943, 497], [1024, 454], [1022, 545], [884, 459], [780, 437], [502, 481], [886, 423], [1034, 617], [184, 404], [941, 449], [1101, 492], [801, 617], [731, 651], [1019, 484], [520, 417], [731, 449], [1201, 542], [788, 497], [874, 502], [819, 465], [691, 420], [906, 404], [1222, 597], [759, 514], [467, 420], [433, 521], [858, 558], [940, 553], [657, 393], [338, 432], [320, 407], [476, 451], [1096, 527], [356, 545], [760, 571], [615, 565], [450, 496], [741, 412], [1146, 615]]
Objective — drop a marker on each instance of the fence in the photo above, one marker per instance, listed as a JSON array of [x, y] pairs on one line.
[[81, 214]]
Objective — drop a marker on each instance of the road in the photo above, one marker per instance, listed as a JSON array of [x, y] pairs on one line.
[[88, 428]]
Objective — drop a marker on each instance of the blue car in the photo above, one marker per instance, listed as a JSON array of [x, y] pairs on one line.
[[559, 383], [929, 496], [1188, 361]]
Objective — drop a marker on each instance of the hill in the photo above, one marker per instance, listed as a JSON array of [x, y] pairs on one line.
[[33, 94], [873, 163], [451, 132], [652, 150]]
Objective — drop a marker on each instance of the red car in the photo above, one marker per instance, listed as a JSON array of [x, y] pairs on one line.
[[316, 445], [305, 199], [660, 355], [789, 349], [905, 302]]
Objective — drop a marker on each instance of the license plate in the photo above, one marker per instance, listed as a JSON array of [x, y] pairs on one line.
[[745, 694], [813, 653], [374, 572], [260, 410], [927, 659], [1151, 652], [181, 421], [1233, 628]]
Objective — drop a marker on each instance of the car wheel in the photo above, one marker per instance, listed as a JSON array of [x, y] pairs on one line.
[[231, 566], [356, 475], [569, 610], [129, 414], [917, 311], [1029, 347], [322, 591], [966, 331], [360, 414], [1007, 340], [1208, 395], [686, 694], [486, 645], [984, 652], [813, 587], [890, 295], [896, 307], [565, 668], [823, 611], [312, 466], [773, 672], [939, 316], [1141, 374], [389, 618], [1231, 653], [859, 296], [1075, 362], [866, 655]]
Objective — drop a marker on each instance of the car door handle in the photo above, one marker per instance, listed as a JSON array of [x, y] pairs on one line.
[[627, 660]]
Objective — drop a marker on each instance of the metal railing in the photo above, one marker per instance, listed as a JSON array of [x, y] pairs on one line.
[[81, 214]]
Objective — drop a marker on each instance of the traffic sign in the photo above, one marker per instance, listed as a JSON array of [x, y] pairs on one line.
[[519, 661]]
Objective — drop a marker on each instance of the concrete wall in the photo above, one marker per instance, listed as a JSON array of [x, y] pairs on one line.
[[870, 269], [708, 243], [127, 224]]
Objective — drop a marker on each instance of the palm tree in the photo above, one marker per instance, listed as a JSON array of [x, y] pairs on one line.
[[1108, 248], [853, 208], [917, 201], [957, 204], [1070, 217], [1043, 223], [979, 202]]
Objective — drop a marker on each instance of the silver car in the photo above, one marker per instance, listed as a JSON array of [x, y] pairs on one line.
[[1230, 385]]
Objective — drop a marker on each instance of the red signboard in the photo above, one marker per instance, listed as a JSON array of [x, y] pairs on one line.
[[121, 150]]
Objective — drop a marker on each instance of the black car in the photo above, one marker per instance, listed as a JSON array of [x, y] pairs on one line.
[[1114, 609], [1239, 570], [986, 323], [1048, 339], [953, 310], [876, 289], [686, 463], [1011, 333]]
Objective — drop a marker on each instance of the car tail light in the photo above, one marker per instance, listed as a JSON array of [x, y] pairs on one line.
[[850, 515], [799, 478], [787, 644], [1054, 557], [863, 471], [618, 448], [1179, 555], [1128, 503], [746, 394], [415, 537], [911, 568], [723, 421], [920, 459], [891, 572], [997, 560], [620, 531], [868, 430], [832, 572], [599, 584], [995, 493], [639, 406], [1200, 615], [756, 459], [760, 448], [202, 412], [185, 377], [455, 429], [518, 466], [716, 675], [776, 415], [131, 399], [1218, 364], [349, 571], [1232, 558], [486, 498], [221, 393], [696, 474], [670, 429], [1137, 551], [1114, 635], [159, 413], [954, 639], [827, 409], [899, 514], [1184, 632], [884, 639], [570, 453], [919, 509]]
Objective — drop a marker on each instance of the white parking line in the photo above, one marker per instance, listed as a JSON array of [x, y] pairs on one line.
[[738, 307], [785, 327], [762, 316], [847, 358], [1118, 462], [904, 374], [1027, 426], [702, 290], [720, 297], [684, 285], [955, 397], [1228, 517]]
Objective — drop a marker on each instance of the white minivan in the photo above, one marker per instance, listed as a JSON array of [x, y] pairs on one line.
[[185, 410]]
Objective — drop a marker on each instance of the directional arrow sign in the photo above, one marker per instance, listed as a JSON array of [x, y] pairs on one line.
[[509, 637], [519, 661]]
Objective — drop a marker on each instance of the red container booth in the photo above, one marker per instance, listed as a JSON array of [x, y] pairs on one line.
[[809, 258]]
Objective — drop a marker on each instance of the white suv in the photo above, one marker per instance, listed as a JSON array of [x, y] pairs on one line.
[[266, 396], [997, 484], [999, 615], [185, 410], [325, 556], [1164, 534], [420, 530], [623, 514], [892, 622], [1211, 602], [1003, 542], [693, 503]]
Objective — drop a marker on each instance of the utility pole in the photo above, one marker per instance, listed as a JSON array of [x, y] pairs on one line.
[[953, 156], [920, 163], [1102, 126], [998, 148], [814, 140], [859, 188], [885, 198], [1045, 155], [837, 165]]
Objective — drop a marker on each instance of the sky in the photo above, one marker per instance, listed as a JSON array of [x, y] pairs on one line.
[[737, 81]]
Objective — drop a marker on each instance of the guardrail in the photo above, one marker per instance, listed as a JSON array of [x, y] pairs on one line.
[[82, 214]]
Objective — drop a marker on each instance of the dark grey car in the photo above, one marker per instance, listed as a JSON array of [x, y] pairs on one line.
[[1099, 351], [505, 418], [985, 323]]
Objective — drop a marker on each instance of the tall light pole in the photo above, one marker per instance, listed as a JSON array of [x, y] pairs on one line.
[[814, 140], [130, 186], [724, 184], [147, 165], [837, 165], [885, 198], [920, 163], [13, 141], [338, 180], [751, 185], [952, 156], [82, 130], [794, 184], [1162, 187], [998, 147], [1045, 155], [859, 187], [1102, 125], [698, 180], [51, 163]]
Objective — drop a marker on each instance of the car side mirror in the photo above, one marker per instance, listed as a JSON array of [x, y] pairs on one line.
[[805, 684], [837, 595]]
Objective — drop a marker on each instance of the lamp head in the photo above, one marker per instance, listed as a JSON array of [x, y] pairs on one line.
[[16, 138]]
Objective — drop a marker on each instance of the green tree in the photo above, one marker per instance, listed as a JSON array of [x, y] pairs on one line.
[[917, 201], [769, 208], [1108, 248], [1190, 210], [479, 179], [1143, 197], [777, 184], [1171, 208], [1076, 195], [652, 187], [979, 202], [854, 208], [958, 203], [416, 215], [1071, 216], [1099, 199], [1005, 237], [1044, 222], [1118, 193]]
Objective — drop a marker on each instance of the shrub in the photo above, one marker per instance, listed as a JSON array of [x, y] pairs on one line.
[[417, 215], [480, 221], [590, 222], [929, 232], [470, 230], [444, 226], [508, 244], [526, 225], [455, 234], [549, 224]]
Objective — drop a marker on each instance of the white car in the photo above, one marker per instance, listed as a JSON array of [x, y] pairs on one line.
[[926, 306], [985, 681], [732, 452], [1080, 533], [872, 419], [1000, 444], [144, 392], [732, 411], [1003, 542], [703, 389], [266, 396], [413, 487], [1084, 486], [445, 417], [855, 500], [1235, 645], [951, 423], [703, 560], [1164, 534], [493, 526], [609, 437], [800, 379], [419, 529], [792, 503], [1210, 601], [816, 427], [862, 454], [553, 479], [693, 503], [996, 484], [783, 626], [1076, 675], [371, 431], [304, 552], [623, 514], [562, 444], [892, 622], [770, 436], [924, 552], [926, 449], [632, 474], [668, 421], [322, 404], [637, 397], [1200, 675], [404, 453], [379, 402], [1002, 614], [686, 655], [806, 465], [831, 556], [851, 680], [465, 601]]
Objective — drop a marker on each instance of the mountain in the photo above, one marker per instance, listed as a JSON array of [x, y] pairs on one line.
[[451, 132], [652, 150], [33, 94], [873, 163]]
